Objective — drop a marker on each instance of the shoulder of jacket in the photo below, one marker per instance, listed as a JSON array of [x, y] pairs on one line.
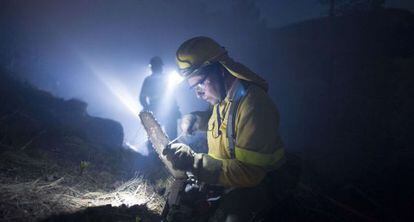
[[255, 95]]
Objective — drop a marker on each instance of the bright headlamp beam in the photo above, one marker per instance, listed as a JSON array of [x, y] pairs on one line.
[[174, 78], [118, 89]]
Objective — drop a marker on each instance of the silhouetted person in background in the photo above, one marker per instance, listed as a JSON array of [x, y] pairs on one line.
[[154, 98]]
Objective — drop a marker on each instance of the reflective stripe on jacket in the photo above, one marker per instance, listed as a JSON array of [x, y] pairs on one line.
[[258, 146]]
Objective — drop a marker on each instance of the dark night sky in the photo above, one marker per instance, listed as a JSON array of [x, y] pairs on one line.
[[282, 12], [77, 48]]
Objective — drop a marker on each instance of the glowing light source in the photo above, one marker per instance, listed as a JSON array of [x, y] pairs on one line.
[[174, 78]]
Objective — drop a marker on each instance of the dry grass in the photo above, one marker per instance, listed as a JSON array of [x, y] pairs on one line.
[[35, 200]]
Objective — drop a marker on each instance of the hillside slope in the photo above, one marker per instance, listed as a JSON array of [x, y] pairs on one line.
[[55, 158]]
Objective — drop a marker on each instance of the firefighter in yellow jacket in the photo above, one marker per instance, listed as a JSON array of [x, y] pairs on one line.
[[244, 144]]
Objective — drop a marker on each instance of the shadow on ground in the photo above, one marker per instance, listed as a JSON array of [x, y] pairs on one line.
[[108, 213]]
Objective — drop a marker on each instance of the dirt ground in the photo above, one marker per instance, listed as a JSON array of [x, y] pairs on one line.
[[35, 185]]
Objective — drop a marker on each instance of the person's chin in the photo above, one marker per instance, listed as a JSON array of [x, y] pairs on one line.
[[208, 101], [213, 102]]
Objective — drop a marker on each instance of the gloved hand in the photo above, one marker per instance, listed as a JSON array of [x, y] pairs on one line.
[[188, 124], [180, 155], [203, 166]]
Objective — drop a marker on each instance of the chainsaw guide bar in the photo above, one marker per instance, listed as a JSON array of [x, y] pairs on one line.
[[159, 140]]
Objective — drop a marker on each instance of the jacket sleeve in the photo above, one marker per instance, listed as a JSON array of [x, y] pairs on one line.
[[258, 146]]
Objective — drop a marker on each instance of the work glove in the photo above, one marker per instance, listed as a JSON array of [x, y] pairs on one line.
[[189, 124], [203, 166], [180, 155]]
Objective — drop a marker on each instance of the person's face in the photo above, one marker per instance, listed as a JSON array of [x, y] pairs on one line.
[[206, 86]]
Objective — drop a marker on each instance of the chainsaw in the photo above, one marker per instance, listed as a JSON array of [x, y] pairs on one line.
[[160, 141], [187, 196]]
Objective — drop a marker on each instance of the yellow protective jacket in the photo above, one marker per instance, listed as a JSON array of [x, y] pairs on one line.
[[258, 146]]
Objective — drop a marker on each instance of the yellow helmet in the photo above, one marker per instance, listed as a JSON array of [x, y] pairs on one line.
[[199, 52]]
